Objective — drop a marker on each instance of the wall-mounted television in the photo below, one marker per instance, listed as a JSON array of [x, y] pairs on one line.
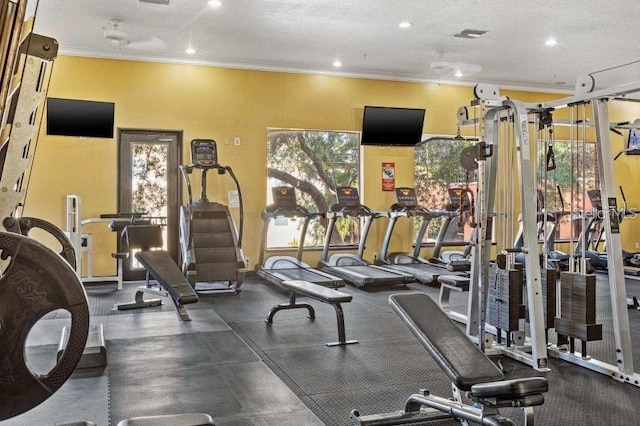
[[633, 142], [392, 126], [72, 117]]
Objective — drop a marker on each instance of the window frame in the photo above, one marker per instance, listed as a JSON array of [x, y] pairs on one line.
[[317, 244]]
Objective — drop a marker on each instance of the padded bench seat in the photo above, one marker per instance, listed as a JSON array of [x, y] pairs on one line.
[[510, 388], [315, 291], [318, 292], [191, 419], [468, 368], [462, 361], [160, 265], [165, 271]]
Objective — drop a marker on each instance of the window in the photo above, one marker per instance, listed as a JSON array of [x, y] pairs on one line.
[[314, 162], [437, 171], [561, 183]]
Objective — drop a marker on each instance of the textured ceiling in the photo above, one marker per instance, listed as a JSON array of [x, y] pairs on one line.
[[309, 35]]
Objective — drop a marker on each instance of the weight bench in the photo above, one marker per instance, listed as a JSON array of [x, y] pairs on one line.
[[449, 283], [160, 265], [190, 419], [468, 368], [317, 292]]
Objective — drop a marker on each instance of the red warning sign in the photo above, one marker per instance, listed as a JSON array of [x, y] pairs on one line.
[[388, 176]]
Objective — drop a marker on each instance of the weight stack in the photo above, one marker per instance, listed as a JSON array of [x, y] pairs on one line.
[[578, 309], [505, 299], [548, 284]]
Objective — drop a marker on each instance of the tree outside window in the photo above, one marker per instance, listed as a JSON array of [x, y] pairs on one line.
[[575, 173], [437, 169], [315, 163]]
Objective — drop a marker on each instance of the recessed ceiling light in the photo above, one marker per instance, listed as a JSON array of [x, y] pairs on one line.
[[337, 63], [551, 41], [214, 3], [458, 73], [190, 50], [404, 24]]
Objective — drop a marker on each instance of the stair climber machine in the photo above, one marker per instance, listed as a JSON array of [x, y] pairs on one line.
[[277, 269], [354, 269], [211, 248], [411, 263], [461, 201]]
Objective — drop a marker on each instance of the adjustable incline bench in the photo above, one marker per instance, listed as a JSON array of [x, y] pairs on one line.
[[159, 265], [320, 293], [467, 367]]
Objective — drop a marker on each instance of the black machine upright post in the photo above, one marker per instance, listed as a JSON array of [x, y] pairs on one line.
[[203, 187]]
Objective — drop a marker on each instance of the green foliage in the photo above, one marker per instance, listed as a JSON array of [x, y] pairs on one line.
[[437, 168], [575, 172], [149, 179], [315, 162]]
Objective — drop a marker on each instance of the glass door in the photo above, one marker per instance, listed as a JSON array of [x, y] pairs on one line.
[[148, 183]]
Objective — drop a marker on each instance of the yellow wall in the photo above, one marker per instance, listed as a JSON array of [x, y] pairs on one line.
[[220, 103]]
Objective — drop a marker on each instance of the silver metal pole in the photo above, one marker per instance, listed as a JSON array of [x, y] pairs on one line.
[[530, 237], [617, 284]]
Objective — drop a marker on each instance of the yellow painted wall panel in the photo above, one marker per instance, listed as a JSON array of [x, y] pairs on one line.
[[220, 103]]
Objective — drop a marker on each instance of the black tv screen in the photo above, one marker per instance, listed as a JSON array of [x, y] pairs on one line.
[[71, 117], [392, 126], [633, 143]]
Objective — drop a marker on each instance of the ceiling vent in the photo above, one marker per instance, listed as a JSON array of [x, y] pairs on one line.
[[165, 2], [467, 33]]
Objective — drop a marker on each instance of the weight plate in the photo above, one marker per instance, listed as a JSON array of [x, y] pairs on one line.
[[37, 281], [468, 158], [67, 252]]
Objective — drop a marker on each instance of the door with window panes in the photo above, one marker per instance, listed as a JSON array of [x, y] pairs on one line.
[[149, 183]]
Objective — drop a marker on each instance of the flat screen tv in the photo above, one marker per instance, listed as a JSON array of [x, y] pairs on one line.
[[392, 126], [633, 143], [71, 117]]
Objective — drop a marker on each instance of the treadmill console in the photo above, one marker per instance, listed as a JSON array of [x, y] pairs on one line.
[[348, 197], [457, 198], [284, 197], [596, 199], [406, 198], [204, 154]]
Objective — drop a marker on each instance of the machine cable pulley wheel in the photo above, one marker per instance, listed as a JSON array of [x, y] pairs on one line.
[[546, 117], [36, 282]]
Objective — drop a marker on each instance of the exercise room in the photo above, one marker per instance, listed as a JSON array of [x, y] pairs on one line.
[[303, 212]]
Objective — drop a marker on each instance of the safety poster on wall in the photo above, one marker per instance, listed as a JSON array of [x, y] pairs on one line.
[[388, 176]]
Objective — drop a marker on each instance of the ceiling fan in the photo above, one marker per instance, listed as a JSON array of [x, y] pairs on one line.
[[118, 38], [458, 69]]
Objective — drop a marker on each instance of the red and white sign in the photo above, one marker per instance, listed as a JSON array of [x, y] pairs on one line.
[[388, 176]]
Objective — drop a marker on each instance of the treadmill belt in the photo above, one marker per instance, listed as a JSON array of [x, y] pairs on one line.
[[422, 272]]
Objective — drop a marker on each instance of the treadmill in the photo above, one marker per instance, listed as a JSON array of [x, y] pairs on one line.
[[354, 269], [460, 202], [411, 263], [277, 269]]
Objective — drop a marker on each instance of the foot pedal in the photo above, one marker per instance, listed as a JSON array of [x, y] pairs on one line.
[[95, 351]]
